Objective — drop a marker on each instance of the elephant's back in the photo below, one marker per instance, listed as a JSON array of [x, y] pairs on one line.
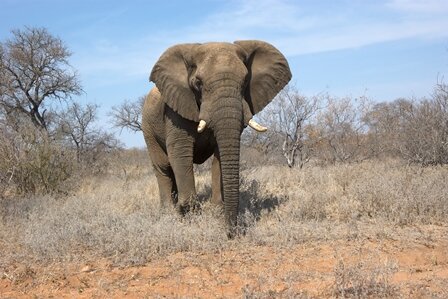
[[152, 107], [152, 114]]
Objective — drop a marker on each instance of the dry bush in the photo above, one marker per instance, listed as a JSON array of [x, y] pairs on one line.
[[385, 121], [414, 130], [402, 194], [254, 157], [118, 215], [341, 129], [426, 130], [129, 164], [76, 127], [30, 162], [118, 219], [37, 161], [321, 202]]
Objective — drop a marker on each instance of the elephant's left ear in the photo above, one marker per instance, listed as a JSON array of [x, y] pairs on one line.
[[268, 73]]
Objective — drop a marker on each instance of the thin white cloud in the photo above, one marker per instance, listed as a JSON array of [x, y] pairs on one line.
[[263, 19], [299, 30], [364, 35], [420, 6], [264, 15], [294, 28]]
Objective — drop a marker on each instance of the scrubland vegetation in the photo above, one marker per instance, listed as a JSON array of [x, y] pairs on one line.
[[330, 170], [116, 216]]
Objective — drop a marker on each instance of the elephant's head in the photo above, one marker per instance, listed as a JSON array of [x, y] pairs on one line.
[[221, 86]]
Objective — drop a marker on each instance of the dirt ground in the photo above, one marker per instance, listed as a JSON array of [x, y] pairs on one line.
[[343, 268]]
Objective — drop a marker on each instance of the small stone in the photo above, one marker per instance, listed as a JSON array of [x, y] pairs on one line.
[[86, 269]]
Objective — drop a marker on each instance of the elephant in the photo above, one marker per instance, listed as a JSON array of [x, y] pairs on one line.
[[205, 94]]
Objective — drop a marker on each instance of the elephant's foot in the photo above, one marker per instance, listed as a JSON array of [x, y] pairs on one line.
[[233, 232], [217, 200], [235, 227], [167, 203], [182, 209], [174, 197], [191, 204]]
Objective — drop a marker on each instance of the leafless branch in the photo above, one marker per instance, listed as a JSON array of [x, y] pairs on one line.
[[128, 115]]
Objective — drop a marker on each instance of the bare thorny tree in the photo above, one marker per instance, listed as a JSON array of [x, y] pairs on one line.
[[415, 130], [425, 129], [35, 71], [128, 115], [343, 127], [77, 126], [290, 118]]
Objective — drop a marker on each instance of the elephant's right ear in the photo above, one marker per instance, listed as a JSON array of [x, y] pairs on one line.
[[170, 74]]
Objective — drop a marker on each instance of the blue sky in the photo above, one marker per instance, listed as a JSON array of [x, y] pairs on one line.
[[384, 49]]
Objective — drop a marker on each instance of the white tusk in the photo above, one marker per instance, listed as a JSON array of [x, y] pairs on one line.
[[256, 126], [201, 126]]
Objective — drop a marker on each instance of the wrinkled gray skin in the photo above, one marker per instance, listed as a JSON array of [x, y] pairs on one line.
[[223, 84]]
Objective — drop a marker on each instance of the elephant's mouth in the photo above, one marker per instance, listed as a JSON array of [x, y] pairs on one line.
[[251, 123], [204, 116]]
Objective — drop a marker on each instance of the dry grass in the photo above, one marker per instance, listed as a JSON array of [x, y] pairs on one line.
[[117, 216], [328, 202], [289, 215], [363, 274]]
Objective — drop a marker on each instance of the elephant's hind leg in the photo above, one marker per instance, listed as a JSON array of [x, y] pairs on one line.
[[164, 174], [167, 187]]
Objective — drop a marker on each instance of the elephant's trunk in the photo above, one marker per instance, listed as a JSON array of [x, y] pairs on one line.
[[228, 132], [227, 124]]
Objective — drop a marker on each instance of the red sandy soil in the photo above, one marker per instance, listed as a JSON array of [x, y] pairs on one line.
[[306, 270]]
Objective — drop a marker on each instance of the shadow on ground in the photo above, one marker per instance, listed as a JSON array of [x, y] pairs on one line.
[[253, 203], [256, 203]]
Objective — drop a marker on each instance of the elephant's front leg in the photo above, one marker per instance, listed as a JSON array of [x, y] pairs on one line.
[[180, 154]]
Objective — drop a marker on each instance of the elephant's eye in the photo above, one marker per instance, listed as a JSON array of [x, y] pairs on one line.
[[197, 83]]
